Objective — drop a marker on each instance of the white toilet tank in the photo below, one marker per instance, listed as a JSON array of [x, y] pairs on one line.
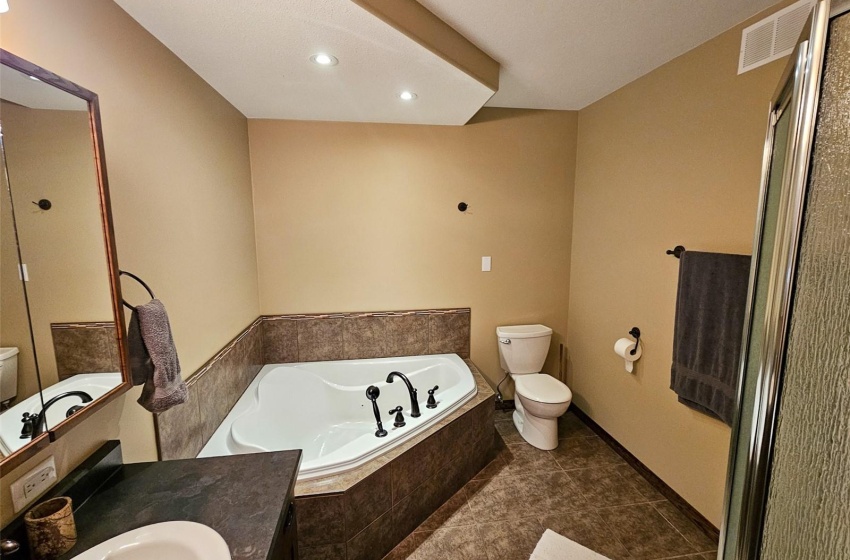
[[523, 348], [8, 374]]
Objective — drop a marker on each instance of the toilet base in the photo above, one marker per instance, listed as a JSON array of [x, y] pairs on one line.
[[542, 433]]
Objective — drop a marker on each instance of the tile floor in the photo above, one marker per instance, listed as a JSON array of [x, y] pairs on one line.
[[582, 490]]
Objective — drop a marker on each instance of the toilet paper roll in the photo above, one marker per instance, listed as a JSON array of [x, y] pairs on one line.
[[623, 348]]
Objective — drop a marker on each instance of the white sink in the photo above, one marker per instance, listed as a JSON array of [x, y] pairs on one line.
[[172, 540]]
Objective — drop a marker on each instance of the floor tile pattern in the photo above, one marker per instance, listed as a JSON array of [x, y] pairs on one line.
[[582, 490]]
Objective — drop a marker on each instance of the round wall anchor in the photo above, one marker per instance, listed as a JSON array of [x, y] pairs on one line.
[[462, 206]]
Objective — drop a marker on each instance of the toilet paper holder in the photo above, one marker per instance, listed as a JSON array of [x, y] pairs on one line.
[[635, 332]]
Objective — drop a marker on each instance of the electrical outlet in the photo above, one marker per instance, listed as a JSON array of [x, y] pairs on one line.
[[33, 484]]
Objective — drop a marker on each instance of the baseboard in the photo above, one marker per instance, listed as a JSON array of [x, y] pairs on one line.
[[681, 504]]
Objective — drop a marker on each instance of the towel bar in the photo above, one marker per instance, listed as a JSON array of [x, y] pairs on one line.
[[676, 251]]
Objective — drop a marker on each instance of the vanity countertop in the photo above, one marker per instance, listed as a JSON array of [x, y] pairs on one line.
[[243, 497]]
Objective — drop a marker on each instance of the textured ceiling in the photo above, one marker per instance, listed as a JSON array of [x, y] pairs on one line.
[[566, 54], [256, 54]]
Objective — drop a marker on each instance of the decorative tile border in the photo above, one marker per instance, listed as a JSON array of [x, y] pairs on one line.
[[88, 325]]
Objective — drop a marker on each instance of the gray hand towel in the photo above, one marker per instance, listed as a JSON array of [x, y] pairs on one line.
[[153, 358], [709, 327]]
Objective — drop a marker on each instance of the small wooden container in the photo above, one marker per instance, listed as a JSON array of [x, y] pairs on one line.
[[50, 528]]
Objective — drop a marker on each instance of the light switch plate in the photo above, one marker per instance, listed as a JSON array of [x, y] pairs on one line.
[[33, 484], [486, 264]]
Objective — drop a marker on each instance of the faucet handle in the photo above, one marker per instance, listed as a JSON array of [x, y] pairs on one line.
[[399, 417], [432, 402], [29, 421]]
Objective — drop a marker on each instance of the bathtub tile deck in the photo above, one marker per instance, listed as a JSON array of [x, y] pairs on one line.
[[582, 490]]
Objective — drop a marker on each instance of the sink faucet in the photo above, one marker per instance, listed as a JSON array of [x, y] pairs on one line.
[[414, 403], [38, 424]]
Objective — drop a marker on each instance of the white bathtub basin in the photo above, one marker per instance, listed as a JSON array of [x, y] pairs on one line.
[[322, 409], [95, 384]]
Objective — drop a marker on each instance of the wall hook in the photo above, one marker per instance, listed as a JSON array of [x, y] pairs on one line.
[[44, 204]]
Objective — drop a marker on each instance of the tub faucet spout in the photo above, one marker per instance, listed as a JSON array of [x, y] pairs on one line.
[[414, 401], [40, 422]]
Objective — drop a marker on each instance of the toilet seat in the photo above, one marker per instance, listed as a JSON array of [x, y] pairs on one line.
[[542, 388]]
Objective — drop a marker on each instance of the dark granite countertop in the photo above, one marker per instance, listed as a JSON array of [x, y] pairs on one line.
[[243, 497]]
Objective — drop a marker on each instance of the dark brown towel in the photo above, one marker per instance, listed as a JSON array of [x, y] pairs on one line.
[[709, 328], [153, 358]]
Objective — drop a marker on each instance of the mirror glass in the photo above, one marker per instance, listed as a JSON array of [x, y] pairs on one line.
[[57, 326]]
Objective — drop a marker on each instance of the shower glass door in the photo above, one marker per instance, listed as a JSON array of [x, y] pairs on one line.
[[808, 505], [789, 473]]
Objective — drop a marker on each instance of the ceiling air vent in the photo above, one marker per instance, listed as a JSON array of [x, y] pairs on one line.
[[773, 37]]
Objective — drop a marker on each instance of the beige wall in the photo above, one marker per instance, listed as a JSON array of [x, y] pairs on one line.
[[14, 329], [672, 158], [179, 173], [49, 155], [363, 217]]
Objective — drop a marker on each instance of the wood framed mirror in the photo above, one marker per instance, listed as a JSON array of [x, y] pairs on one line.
[[62, 330]]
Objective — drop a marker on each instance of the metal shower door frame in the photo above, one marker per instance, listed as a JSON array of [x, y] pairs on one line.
[[798, 92]]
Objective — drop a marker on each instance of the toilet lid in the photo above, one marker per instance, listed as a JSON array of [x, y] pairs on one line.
[[542, 388]]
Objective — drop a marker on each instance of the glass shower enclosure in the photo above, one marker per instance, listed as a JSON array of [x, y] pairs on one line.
[[788, 490]]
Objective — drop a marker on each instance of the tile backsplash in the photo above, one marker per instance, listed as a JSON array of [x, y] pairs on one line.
[[85, 348], [275, 339], [213, 390], [352, 336]]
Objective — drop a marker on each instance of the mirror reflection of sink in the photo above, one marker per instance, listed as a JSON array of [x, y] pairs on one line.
[[172, 540]]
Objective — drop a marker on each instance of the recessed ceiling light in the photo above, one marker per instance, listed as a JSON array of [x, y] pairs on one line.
[[323, 59], [408, 95]]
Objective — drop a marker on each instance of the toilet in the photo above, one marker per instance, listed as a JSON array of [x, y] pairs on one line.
[[540, 398], [8, 375]]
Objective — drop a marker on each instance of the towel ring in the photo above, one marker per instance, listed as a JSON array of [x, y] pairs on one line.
[[140, 281]]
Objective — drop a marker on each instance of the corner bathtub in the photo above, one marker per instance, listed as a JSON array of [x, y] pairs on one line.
[[321, 408]]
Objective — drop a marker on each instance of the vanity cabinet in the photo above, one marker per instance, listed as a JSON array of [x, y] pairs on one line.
[[287, 546]]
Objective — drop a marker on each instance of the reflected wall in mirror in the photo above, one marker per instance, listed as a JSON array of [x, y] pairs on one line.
[[58, 284]]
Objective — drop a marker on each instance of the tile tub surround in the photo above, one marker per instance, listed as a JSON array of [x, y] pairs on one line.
[[85, 348], [580, 490], [364, 513], [351, 336], [213, 390]]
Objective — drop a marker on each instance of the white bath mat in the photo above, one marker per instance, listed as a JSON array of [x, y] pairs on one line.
[[553, 546]]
